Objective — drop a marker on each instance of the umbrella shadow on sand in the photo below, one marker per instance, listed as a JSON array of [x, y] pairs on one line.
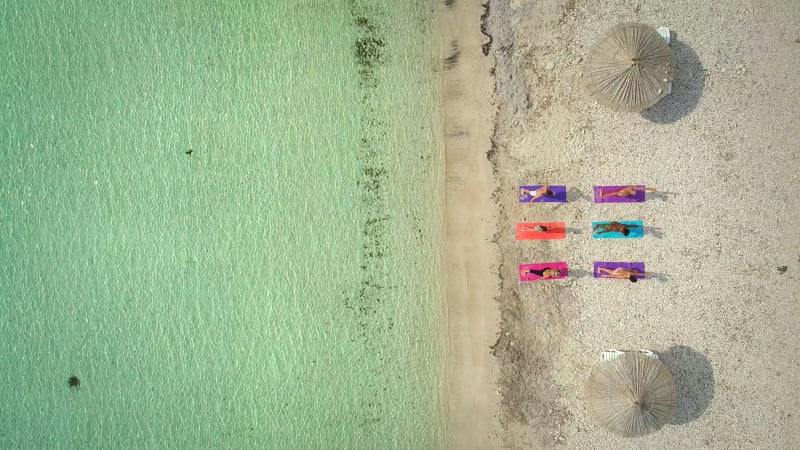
[[687, 87], [694, 382]]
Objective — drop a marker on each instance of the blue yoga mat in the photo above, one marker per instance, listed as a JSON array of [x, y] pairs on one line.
[[635, 228]]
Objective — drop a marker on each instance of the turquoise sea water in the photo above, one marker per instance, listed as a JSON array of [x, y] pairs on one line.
[[225, 219]]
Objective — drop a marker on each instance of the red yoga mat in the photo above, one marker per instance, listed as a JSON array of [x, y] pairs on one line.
[[555, 230]]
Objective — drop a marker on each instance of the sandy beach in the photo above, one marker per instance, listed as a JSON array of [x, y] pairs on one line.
[[722, 236], [470, 221]]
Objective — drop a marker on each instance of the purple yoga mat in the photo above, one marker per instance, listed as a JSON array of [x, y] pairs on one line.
[[559, 194], [639, 197], [615, 265]]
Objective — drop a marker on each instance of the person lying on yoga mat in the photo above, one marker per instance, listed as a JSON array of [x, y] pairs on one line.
[[547, 272], [619, 272], [542, 191], [611, 227], [627, 191], [539, 228]]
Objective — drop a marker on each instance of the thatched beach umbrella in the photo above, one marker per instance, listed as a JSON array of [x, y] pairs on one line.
[[630, 68], [632, 395]]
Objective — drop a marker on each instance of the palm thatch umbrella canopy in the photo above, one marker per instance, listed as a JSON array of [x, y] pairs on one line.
[[629, 69], [632, 395]]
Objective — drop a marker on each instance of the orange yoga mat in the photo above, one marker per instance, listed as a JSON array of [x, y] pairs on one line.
[[555, 230]]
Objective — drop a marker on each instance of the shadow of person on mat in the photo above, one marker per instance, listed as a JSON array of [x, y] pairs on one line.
[[694, 382], [687, 87]]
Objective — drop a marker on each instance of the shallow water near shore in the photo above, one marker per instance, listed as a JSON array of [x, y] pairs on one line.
[[226, 222]]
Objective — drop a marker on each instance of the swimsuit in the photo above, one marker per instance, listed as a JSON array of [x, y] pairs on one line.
[[539, 272], [534, 193]]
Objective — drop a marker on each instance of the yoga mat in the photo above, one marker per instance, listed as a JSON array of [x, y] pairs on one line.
[[562, 266], [636, 231], [559, 194], [639, 197], [614, 265], [555, 230]]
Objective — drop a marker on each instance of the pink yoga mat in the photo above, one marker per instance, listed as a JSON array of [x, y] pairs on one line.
[[561, 266], [616, 265], [638, 198]]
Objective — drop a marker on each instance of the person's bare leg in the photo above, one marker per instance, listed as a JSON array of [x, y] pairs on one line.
[[609, 273], [623, 192]]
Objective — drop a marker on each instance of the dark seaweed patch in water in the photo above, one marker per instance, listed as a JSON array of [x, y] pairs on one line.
[[370, 301], [369, 55], [368, 47], [364, 24], [372, 178], [416, 226], [369, 51]]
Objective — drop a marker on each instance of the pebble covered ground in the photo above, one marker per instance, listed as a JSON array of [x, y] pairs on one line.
[[722, 236]]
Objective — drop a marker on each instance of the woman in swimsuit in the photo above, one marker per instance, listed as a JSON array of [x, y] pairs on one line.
[[547, 272], [611, 227], [535, 194], [620, 273], [627, 191], [538, 228]]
